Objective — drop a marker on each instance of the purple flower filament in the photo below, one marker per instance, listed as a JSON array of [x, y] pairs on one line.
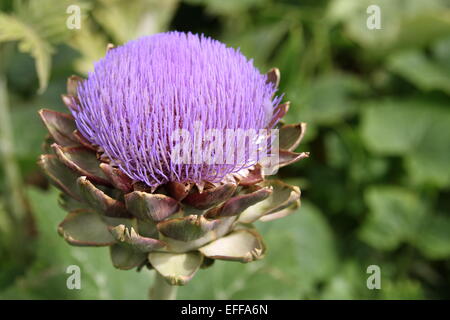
[[142, 92]]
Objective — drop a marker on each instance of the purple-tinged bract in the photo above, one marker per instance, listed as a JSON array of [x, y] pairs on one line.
[[142, 92]]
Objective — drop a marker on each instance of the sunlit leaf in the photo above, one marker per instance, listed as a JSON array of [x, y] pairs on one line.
[[420, 70], [434, 237], [330, 99], [395, 217], [13, 29], [415, 129], [411, 23]]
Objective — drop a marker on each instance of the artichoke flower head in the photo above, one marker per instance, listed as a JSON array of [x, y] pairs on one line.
[[125, 180]]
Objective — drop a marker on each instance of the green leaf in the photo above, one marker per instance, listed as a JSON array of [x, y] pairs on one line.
[[91, 45], [329, 100], [13, 29], [434, 238], [393, 127], [349, 283], [258, 42], [37, 26], [414, 129], [26, 141], [409, 23], [420, 70], [124, 22], [6, 226], [230, 7], [441, 52], [403, 289], [287, 59], [395, 216], [428, 164], [338, 155]]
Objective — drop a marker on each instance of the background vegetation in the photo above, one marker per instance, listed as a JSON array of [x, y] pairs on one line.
[[375, 190]]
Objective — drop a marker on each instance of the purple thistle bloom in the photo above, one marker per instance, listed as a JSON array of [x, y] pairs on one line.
[[142, 92]]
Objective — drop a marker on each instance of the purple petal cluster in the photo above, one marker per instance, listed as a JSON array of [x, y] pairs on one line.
[[143, 91]]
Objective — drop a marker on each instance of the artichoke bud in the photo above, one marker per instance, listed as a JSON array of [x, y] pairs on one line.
[[171, 223]]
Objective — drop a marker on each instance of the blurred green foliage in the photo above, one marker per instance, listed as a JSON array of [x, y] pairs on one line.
[[376, 190]]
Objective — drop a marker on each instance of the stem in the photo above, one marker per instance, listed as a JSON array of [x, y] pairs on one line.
[[161, 290], [11, 169]]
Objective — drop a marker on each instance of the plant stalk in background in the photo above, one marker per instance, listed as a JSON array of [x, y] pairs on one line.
[[11, 170]]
